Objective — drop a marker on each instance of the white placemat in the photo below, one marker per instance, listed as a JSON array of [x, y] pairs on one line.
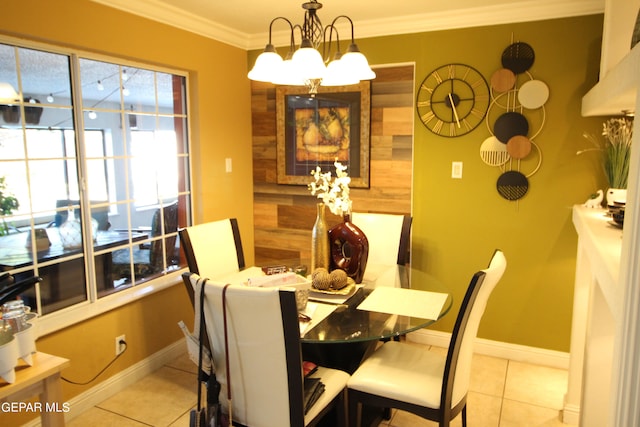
[[405, 302]]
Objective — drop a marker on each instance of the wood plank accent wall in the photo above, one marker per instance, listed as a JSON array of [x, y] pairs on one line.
[[285, 214]]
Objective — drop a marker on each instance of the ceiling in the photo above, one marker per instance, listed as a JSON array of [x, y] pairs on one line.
[[245, 23]]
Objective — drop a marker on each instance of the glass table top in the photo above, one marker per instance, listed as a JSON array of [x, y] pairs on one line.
[[347, 324]]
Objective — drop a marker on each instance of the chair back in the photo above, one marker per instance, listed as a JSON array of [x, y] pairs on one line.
[[213, 249], [165, 220], [265, 359], [388, 237], [457, 372]]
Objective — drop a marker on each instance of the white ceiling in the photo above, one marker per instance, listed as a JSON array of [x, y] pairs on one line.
[[245, 23]]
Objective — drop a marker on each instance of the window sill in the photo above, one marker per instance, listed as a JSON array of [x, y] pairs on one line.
[[78, 313]]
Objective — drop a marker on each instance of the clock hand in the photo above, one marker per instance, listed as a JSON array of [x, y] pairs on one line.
[[453, 106]]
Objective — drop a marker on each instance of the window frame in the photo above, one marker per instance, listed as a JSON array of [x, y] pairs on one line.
[[95, 305]]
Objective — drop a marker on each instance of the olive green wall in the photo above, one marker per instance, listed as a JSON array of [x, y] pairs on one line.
[[458, 223], [220, 116]]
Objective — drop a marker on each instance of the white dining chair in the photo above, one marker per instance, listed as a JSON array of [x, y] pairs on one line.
[[427, 383], [388, 236], [264, 357], [213, 249]]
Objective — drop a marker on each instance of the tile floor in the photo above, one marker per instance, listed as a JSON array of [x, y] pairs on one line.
[[502, 393]]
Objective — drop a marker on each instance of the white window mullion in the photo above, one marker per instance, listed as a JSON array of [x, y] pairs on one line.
[[81, 165]]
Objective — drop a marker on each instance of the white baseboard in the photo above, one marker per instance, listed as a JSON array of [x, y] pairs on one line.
[[515, 352], [123, 379], [571, 414], [119, 381]]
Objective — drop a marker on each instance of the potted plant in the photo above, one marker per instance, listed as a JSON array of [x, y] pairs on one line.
[[618, 133], [8, 203]]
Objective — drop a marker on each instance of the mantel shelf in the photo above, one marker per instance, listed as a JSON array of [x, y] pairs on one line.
[[602, 243], [617, 91]]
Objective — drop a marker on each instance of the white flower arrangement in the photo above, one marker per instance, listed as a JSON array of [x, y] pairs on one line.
[[333, 192]]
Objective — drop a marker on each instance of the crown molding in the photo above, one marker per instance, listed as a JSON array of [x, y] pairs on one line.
[[437, 21], [179, 18]]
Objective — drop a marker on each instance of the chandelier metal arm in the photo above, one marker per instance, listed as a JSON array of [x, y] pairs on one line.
[[274, 20], [326, 46], [333, 23]]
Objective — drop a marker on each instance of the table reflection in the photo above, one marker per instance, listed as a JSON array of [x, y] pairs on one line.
[[62, 269], [15, 252]]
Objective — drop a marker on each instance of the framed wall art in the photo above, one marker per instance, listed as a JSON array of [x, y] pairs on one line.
[[334, 124]]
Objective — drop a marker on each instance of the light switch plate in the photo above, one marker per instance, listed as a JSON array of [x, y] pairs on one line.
[[227, 165], [456, 170]]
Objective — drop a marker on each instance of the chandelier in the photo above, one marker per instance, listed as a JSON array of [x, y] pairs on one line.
[[306, 66]]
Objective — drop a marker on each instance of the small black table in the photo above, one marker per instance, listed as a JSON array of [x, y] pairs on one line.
[[14, 252]]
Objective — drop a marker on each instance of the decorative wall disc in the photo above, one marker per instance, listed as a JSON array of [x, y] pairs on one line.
[[518, 57], [503, 80], [493, 152], [533, 94], [509, 125], [519, 147], [512, 185]]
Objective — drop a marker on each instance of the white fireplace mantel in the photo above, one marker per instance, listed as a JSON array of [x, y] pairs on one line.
[[597, 308]]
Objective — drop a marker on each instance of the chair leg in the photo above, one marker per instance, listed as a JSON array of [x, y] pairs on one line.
[[342, 410], [355, 412], [386, 414], [464, 416]]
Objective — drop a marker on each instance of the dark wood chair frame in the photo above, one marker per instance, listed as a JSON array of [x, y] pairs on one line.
[[405, 240]]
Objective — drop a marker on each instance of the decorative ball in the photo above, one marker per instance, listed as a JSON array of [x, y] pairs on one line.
[[320, 278], [338, 279]]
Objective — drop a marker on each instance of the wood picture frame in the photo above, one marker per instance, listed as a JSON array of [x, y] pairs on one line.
[[334, 124]]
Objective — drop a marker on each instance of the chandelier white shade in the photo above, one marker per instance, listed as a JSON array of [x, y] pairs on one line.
[[338, 74], [8, 94], [287, 75], [306, 65], [266, 66], [355, 61]]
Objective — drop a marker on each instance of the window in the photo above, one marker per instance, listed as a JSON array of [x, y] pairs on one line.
[[152, 165], [96, 153]]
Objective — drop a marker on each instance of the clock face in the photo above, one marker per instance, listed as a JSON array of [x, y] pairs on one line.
[[453, 100]]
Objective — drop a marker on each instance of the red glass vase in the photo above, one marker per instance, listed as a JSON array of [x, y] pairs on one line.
[[349, 249]]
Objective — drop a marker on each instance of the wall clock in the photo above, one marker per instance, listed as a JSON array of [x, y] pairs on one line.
[[453, 100]]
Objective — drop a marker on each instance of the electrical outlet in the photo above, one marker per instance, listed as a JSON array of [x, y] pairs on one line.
[[120, 347]]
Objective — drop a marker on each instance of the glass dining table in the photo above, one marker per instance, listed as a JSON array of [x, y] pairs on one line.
[[340, 333], [346, 322], [347, 332]]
